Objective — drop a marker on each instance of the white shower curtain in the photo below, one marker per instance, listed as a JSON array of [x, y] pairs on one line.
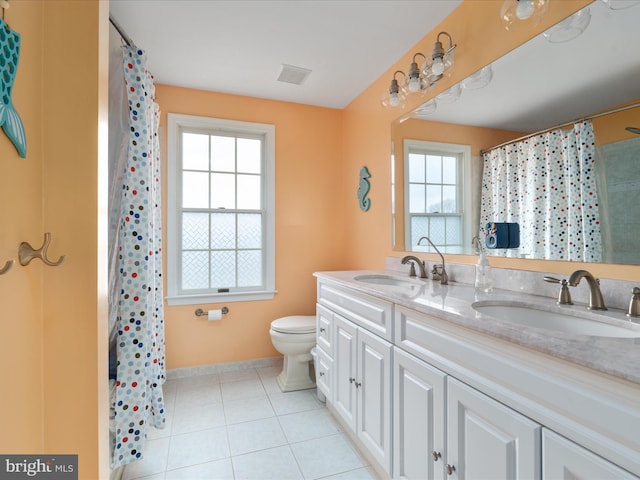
[[546, 184], [136, 308]]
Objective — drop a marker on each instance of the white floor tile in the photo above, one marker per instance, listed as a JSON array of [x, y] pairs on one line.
[[188, 395], [233, 391], [293, 402], [326, 456], [275, 463], [359, 474], [154, 460], [218, 470], [308, 425], [257, 435], [198, 380], [198, 417], [198, 447], [248, 409], [239, 375]]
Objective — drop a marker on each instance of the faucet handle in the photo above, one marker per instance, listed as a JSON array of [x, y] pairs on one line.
[[634, 304], [564, 297]]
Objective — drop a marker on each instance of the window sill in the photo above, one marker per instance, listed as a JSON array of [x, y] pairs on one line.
[[220, 297]]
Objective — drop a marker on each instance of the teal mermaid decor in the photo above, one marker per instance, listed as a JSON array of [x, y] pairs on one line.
[[9, 119], [363, 189]]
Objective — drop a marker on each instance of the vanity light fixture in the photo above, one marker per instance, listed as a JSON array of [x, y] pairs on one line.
[[522, 14], [395, 96], [478, 79], [441, 60], [419, 79]]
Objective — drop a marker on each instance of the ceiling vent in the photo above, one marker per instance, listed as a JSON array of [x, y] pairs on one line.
[[295, 75]]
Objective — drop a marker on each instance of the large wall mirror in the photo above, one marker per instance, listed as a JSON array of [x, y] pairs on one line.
[[546, 83]]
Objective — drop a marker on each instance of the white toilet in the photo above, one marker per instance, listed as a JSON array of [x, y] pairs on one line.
[[294, 337]]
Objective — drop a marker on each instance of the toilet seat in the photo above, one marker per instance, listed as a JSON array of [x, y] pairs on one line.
[[295, 324]]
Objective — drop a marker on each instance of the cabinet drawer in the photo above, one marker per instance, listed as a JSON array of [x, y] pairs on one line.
[[368, 311], [324, 329], [324, 375]]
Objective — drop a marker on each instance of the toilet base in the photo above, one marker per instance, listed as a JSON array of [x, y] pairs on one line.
[[295, 374]]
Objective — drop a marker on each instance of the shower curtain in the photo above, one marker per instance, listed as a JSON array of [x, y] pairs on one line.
[[546, 184], [136, 318]]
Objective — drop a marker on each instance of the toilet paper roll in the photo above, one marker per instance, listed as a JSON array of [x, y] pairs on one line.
[[214, 315]]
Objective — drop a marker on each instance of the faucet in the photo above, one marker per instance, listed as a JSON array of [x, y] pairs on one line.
[[417, 261], [444, 279], [596, 302]]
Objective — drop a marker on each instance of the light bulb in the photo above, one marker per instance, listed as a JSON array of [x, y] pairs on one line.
[[414, 84], [525, 9], [437, 68], [394, 101]]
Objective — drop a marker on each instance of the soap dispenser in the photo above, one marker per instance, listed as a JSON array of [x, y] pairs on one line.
[[484, 282]]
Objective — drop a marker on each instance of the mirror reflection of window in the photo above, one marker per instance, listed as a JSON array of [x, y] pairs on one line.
[[437, 206]]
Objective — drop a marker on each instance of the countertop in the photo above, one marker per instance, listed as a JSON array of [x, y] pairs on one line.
[[618, 357]]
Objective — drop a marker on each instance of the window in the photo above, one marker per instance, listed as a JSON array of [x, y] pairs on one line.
[[436, 204], [220, 215]]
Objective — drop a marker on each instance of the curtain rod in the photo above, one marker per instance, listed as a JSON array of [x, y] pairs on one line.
[[122, 33], [596, 115]]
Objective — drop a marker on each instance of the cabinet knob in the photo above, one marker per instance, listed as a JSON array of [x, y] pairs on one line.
[[351, 380], [436, 455], [322, 330], [358, 384], [321, 374], [450, 469]]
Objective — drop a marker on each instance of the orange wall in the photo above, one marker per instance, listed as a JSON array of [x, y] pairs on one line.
[[309, 234], [53, 321]]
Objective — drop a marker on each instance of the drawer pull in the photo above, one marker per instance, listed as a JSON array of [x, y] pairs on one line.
[[321, 374], [322, 329], [450, 469], [436, 455], [358, 384], [351, 380]]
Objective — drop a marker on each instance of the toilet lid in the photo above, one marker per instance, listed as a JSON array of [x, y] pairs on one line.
[[295, 324]]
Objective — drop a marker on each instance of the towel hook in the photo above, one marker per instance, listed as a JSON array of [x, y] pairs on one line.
[[7, 267], [26, 253]]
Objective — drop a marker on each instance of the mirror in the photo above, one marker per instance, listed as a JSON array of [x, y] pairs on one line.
[[538, 86]]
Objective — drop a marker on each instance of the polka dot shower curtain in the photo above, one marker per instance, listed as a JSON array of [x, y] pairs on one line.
[[136, 285], [546, 184]]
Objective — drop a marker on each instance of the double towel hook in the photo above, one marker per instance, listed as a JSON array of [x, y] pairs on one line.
[[7, 267], [26, 253]]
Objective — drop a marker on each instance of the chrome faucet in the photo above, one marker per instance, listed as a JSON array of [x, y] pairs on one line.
[[417, 261], [596, 302], [444, 279]]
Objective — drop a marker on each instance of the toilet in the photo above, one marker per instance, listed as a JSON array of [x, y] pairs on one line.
[[294, 337]]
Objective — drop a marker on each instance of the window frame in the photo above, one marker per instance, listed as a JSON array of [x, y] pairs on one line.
[[176, 123], [464, 181]]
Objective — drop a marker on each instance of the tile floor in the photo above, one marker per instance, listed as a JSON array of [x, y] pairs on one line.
[[239, 425]]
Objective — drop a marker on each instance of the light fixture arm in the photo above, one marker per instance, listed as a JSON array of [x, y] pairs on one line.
[[438, 50]]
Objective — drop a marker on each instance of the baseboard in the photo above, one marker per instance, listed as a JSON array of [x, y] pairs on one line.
[[176, 373]]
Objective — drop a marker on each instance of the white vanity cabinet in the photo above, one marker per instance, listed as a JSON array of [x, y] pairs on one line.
[[563, 459], [418, 418], [483, 438], [486, 439], [324, 351], [361, 390]]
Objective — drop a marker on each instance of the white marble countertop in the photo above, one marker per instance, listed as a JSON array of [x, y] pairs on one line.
[[619, 357]]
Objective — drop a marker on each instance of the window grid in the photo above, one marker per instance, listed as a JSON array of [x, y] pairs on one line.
[[435, 199], [221, 275]]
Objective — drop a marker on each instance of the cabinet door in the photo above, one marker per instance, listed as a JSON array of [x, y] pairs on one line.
[[487, 440], [324, 375], [373, 384], [564, 460], [418, 418], [344, 358]]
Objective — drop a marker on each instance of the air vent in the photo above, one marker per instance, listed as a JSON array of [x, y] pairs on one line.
[[295, 75]]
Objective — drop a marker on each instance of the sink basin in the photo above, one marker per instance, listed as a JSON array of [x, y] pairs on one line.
[[531, 316], [380, 279]]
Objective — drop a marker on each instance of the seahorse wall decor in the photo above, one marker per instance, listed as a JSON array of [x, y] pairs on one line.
[[363, 189], [9, 119]]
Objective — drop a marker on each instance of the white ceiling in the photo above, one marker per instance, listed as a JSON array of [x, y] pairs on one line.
[[238, 46]]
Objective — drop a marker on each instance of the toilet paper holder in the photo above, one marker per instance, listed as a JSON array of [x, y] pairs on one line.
[[203, 313]]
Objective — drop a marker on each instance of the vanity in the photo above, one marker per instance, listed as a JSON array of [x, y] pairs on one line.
[[437, 381]]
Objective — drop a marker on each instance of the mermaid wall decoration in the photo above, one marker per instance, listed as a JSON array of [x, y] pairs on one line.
[[9, 119], [363, 189]]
